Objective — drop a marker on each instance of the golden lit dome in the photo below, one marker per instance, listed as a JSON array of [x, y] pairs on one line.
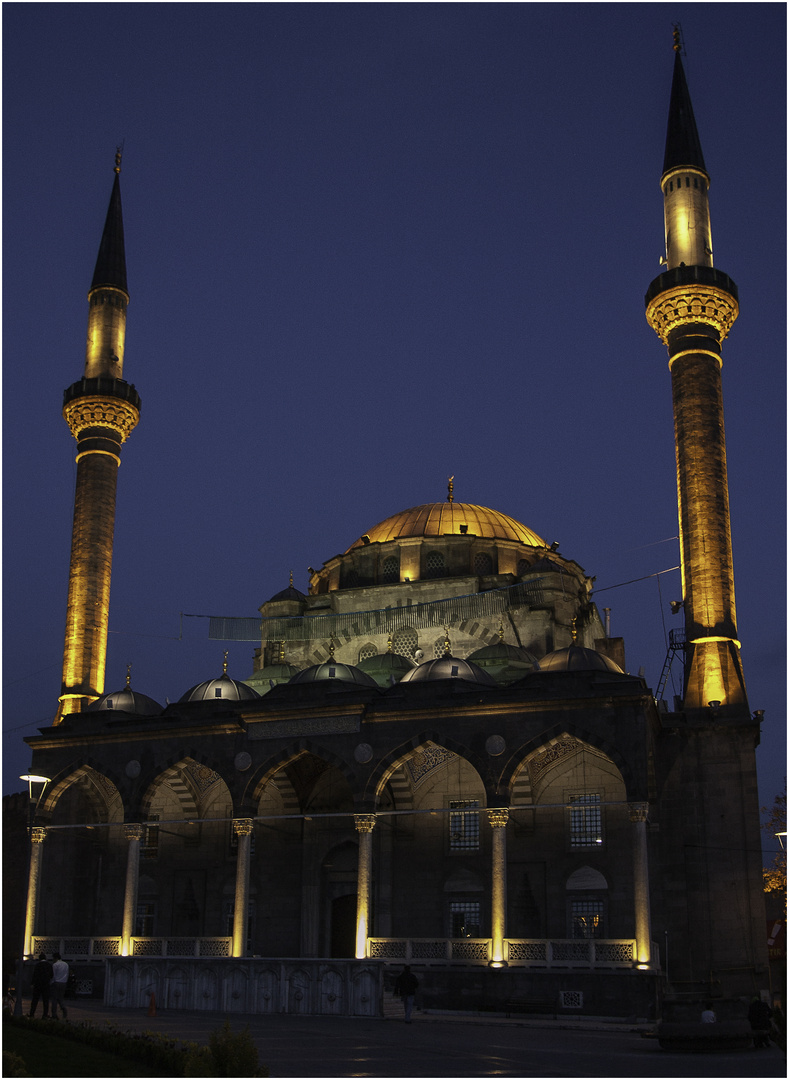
[[449, 519]]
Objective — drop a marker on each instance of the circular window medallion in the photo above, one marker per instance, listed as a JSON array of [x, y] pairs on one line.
[[363, 753], [495, 745], [242, 761], [132, 769]]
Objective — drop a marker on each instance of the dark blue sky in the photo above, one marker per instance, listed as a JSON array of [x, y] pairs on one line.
[[370, 246]]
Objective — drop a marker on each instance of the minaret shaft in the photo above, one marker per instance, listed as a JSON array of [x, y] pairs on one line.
[[692, 307], [101, 411]]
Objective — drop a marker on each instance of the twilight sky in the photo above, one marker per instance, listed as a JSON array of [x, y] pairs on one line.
[[370, 246]]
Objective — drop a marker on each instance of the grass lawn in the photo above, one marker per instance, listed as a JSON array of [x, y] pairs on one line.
[[47, 1055]]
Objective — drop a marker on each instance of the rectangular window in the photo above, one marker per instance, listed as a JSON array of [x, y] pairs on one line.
[[586, 823], [149, 848], [464, 919], [144, 918], [587, 918], [229, 913], [464, 826]]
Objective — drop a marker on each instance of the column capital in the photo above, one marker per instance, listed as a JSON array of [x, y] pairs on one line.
[[639, 811], [243, 826], [498, 817], [133, 831], [38, 835], [365, 823]]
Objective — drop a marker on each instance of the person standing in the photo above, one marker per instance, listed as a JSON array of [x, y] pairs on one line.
[[406, 985], [42, 977], [58, 986]]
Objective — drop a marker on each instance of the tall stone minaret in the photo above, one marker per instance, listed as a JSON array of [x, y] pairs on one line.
[[692, 307], [101, 411]]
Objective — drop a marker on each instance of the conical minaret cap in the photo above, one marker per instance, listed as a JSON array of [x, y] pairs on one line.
[[683, 146], [111, 262]]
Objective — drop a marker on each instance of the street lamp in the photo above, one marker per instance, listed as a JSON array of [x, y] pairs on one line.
[[35, 789]]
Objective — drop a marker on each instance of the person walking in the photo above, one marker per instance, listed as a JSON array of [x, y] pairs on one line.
[[42, 977], [405, 986], [58, 985]]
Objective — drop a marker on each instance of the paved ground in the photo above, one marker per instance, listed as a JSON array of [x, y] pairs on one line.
[[445, 1046]]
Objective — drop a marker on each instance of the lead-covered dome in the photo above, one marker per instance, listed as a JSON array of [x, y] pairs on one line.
[[126, 701], [222, 689], [448, 667], [449, 519], [576, 658], [335, 672]]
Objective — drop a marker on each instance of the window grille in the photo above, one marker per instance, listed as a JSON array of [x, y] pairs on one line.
[[435, 567], [390, 571], [144, 920], [229, 913], [149, 848], [405, 641], [367, 651], [586, 823], [483, 564], [464, 919], [464, 826], [587, 918]]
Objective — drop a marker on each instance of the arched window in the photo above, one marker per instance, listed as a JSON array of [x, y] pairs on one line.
[[390, 570], [367, 650], [405, 641], [435, 567], [483, 563], [587, 903], [523, 566]]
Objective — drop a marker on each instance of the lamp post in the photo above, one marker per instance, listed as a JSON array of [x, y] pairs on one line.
[[35, 789]]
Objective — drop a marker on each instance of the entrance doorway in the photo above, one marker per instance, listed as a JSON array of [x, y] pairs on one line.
[[343, 926]]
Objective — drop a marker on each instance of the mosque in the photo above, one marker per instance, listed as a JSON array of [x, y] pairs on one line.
[[440, 758]]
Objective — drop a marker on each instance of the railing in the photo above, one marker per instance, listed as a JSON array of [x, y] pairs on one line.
[[518, 952], [97, 948]]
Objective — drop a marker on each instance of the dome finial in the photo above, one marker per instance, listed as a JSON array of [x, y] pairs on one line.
[[677, 44], [118, 156], [128, 674], [389, 643], [446, 642], [282, 651], [501, 631], [224, 663], [291, 579], [574, 631], [450, 489]]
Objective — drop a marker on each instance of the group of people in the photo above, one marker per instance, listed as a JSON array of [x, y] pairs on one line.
[[759, 1015], [49, 986]]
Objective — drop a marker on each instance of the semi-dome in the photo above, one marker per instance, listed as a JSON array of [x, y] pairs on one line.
[[333, 670], [448, 667], [449, 519], [222, 689], [576, 658], [126, 701], [386, 667]]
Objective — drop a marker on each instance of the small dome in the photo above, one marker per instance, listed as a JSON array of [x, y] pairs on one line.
[[333, 670], [222, 689], [287, 594], [271, 675], [576, 658], [449, 519], [126, 701], [505, 663], [448, 667], [386, 667]]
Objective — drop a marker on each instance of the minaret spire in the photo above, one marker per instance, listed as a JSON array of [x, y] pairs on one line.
[[692, 308], [101, 411]]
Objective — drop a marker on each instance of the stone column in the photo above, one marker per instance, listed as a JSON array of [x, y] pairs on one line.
[[498, 894], [37, 837], [639, 813], [133, 835], [365, 823], [243, 830]]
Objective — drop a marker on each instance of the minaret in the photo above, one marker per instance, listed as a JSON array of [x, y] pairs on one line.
[[101, 411], [692, 307]]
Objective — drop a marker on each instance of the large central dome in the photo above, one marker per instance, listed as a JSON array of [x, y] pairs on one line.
[[449, 519]]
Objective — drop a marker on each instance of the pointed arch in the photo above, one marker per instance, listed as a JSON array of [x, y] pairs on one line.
[[397, 758]]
